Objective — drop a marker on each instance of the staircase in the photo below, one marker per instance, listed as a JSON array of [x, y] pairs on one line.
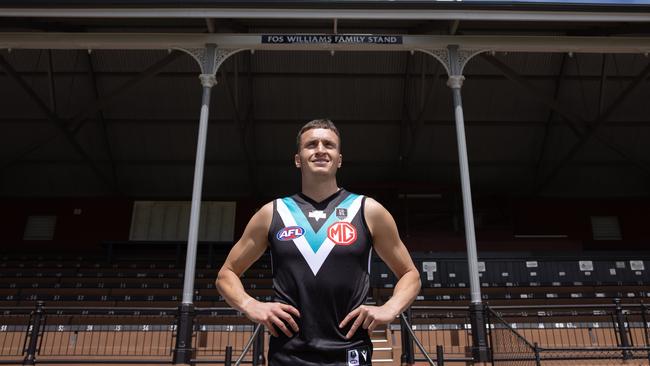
[[382, 344]]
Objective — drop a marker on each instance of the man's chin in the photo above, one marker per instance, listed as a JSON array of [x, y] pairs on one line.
[[324, 171]]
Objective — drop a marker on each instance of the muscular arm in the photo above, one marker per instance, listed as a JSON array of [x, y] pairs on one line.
[[392, 251], [244, 253]]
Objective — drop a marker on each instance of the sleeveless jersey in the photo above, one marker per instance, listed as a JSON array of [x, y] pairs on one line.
[[320, 256]]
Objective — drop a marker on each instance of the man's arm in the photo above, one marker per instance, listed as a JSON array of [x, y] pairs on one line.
[[244, 253], [392, 251]]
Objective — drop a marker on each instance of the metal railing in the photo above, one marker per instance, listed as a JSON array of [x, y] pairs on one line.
[[508, 347], [14, 334], [443, 331], [215, 329], [221, 334], [122, 335], [528, 335], [518, 335], [572, 332]]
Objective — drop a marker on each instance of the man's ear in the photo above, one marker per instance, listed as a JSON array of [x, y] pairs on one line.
[[340, 160], [296, 159]]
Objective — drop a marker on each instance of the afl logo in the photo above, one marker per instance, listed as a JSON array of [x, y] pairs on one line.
[[290, 233], [342, 233]]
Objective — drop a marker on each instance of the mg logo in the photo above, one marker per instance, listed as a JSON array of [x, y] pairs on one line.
[[342, 233]]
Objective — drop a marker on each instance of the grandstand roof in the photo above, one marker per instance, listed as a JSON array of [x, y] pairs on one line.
[[124, 121]]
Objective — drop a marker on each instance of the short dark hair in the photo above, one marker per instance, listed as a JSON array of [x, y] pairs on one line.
[[318, 123]]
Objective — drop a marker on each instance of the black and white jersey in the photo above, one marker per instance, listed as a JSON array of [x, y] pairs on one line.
[[320, 253]]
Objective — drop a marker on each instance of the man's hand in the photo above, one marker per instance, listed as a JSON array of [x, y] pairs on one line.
[[370, 317], [272, 313]]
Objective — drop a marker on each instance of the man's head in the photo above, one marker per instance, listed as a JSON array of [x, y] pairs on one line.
[[317, 123], [319, 147]]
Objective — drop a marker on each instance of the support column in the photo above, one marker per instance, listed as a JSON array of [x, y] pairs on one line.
[[454, 60], [622, 329], [209, 59], [455, 82], [35, 322], [184, 351], [207, 81]]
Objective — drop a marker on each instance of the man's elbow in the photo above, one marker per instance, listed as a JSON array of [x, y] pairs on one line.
[[417, 276], [220, 282], [411, 276]]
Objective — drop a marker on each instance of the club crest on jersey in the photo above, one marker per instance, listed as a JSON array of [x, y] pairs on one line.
[[341, 213], [290, 233], [342, 233]]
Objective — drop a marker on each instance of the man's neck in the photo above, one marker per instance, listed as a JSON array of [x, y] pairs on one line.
[[319, 190]]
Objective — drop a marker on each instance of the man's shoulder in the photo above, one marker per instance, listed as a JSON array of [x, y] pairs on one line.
[[266, 209], [372, 206]]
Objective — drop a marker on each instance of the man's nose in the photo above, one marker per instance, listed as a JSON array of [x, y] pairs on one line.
[[320, 147]]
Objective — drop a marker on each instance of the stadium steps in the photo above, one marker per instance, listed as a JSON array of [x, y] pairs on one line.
[[383, 352]]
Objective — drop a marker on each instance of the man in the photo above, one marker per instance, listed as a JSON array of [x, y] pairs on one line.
[[321, 241]]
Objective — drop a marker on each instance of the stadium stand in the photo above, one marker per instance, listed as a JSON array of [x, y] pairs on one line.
[[155, 283], [556, 120], [96, 309]]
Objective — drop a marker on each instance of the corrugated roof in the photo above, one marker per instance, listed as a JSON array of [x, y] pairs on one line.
[[375, 97]]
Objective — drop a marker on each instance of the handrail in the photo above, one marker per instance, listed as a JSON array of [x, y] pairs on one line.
[[431, 307], [109, 309], [505, 323], [551, 306], [590, 349], [555, 306], [248, 345], [417, 341], [534, 307]]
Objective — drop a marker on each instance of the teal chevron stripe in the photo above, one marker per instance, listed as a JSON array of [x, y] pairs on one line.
[[315, 239]]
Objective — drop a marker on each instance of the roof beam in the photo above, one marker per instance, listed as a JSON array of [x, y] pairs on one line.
[[100, 117], [50, 77], [82, 117], [406, 122], [424, 99], [577, 124], [592, 130], [108, 99], [28, 122], [60, 124], [166, 41], [242, 126], [466, 13], [329, 75], [574, 121], [603, 80], [285, 163], [211, 24], [549, 120]]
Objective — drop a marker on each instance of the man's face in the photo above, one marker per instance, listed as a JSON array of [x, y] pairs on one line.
[[319, 151]]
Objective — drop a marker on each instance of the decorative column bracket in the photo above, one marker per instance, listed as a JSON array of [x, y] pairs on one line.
[[453, 65], [209, 59]]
